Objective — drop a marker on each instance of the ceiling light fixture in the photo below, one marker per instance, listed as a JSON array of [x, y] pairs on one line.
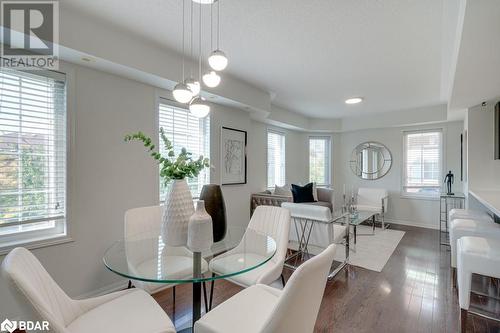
[[198, 106], [218, 59], [182, 92], [211, 79], [354, 100], [191, 82]]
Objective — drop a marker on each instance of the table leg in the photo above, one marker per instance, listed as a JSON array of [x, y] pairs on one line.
[[373, 224], [196, 287], [355, 234]]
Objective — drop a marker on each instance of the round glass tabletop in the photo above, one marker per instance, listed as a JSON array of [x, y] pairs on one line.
[[144, 257]]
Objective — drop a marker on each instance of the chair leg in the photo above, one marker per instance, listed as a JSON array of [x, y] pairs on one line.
[[463, 320], [283, 280], [129, 284], [454, 277], [173, 294], [211, 293], [205, 296]]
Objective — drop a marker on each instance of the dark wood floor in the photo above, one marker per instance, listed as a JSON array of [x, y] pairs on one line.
[[413, 293]]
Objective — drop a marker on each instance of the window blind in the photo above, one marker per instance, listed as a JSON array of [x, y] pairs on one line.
[[423, 162], [275, 159], [190, 132], [32, 150], [319, 160]]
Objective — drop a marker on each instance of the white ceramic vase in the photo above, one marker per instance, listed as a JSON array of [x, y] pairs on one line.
[[200, 233], [178, 209]]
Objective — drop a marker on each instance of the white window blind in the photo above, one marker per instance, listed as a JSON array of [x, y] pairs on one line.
[[423, 162], [185, 131], [319, 160], [275, 158], [32, 152]]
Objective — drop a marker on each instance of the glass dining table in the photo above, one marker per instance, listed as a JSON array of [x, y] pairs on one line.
[[144, 257]]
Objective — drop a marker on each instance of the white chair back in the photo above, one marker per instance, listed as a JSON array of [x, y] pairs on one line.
[[372, 197], [31, 282], [274, 222], [298, 306], [143, 221]]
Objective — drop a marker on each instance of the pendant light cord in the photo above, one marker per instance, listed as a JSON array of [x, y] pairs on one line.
[[212, 26], [183, 26], [218, 23], [191, 36], [199, 51]]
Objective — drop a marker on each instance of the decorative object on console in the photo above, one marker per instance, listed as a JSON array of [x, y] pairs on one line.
[[178, 200], [233, 156], [371, 160], [200, 233], [303, 193], [449, 179], [216, 208]]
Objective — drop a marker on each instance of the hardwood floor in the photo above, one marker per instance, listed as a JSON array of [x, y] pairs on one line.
[[413, 293]]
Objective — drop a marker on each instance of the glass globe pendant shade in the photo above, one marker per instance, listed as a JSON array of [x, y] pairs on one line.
[[182, 93], [193, 85], [199, 107], [211, 79], [218, 60]]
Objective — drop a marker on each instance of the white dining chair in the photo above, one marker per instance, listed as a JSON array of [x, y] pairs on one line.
[[145, 223], [263, 309], [271, 221], [131, 310]]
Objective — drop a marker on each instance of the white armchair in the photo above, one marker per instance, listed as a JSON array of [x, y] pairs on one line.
[[131, 310], [373, 200], [263, 309]]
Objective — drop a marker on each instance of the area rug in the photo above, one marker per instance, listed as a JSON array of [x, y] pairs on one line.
[[371, 252]]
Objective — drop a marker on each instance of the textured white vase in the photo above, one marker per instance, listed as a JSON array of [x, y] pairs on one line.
[[200, 233], [178, 209]]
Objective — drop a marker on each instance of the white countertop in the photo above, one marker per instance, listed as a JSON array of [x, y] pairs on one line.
[[489, 198]]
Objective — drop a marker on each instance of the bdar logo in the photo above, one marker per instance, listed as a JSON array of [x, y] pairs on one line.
[[8, 326]]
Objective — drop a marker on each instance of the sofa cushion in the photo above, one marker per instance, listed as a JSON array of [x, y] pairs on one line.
[[282, 190], [303, 193]]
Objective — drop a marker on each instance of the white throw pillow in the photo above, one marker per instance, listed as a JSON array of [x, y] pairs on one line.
[[282, 190]]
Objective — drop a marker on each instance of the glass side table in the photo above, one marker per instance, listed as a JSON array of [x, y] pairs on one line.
[[446, 203]]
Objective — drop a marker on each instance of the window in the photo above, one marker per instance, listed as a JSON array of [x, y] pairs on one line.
[[185, 131], [319, 160], [423, 163], [32, 156], [275, 158]]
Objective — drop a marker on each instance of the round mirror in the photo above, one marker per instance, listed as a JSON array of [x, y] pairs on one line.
[[371, 160]]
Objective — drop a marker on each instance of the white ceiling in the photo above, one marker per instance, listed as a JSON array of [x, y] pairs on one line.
[[311, 54]]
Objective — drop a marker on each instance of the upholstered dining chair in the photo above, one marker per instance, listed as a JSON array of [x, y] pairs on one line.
[[269, 220], [131, 310], [263, 309], [145, 223]]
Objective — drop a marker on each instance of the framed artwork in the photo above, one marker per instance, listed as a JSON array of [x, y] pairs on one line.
[[233, 152]]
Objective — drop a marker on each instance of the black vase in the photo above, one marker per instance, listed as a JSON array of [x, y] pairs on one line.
[[216, 208]]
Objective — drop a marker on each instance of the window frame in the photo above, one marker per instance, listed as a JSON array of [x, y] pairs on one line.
[[59, 232], [442, 167], [161, 99], [328, 176], [283, 134]]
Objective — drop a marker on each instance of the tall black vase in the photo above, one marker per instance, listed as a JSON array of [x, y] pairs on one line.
[[216, 208]]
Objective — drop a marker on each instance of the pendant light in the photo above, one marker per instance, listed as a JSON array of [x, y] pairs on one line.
[[199, 106], [211, 78], [182, 92], [218, 60], [191, 82]]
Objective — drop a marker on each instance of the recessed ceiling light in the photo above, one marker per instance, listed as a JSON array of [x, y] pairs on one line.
[[205, 2], [354, 100]]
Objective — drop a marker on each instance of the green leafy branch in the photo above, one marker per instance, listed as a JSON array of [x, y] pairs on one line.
[[171, 167]]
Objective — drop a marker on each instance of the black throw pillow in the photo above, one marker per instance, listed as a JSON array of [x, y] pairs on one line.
[[302, 193]]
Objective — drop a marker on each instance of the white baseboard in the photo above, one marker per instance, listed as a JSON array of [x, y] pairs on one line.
[[116, 286], [412, 223]]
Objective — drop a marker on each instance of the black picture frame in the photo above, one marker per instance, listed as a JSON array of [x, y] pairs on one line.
[[238, 150]]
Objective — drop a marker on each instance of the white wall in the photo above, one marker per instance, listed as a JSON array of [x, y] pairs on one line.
[[417, 212], [107, 176]]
